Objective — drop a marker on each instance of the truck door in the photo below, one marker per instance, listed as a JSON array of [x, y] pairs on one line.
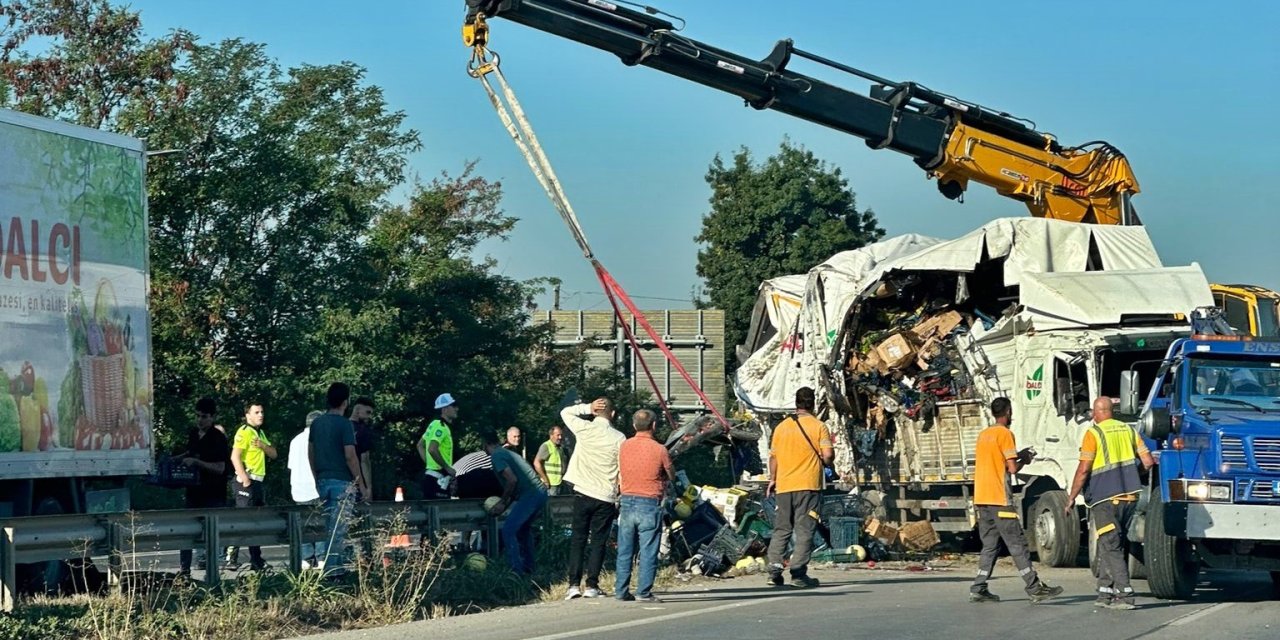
[[1239, 312]]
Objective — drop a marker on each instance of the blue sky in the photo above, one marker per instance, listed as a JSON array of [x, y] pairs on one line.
[[1186, 91]]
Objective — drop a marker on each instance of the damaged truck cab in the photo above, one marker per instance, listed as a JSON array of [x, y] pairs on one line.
[[1214, 500]]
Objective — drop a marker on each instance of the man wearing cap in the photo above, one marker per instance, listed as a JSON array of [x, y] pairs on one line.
[[436, 450]]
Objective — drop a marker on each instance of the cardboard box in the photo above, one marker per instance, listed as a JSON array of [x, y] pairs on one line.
[[882, 531], [727, 501], [874, 362], [919, 536], [896, 351], [928, 351], [937, 326]]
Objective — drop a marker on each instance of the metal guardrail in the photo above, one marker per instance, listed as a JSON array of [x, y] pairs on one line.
[[118, 535]]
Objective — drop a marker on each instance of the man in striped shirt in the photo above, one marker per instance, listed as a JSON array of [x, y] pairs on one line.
[[644, 469]]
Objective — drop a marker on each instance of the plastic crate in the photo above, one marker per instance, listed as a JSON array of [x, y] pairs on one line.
[[844, 505], [845, 531], [696, 530]]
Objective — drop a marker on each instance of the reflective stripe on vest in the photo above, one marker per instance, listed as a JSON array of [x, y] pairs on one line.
[[1115, 467], [552, 465]]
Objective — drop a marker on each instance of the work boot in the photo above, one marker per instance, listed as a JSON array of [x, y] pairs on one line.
[[804, 582], [775, 579], [1103, 600], [1122, 604], [1042, 592], [983, 596]]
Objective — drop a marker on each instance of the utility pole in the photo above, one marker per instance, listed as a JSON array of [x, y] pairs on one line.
[[555, 304]]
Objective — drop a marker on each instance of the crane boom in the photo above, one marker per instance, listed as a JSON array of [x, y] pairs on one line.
[[953, 140]]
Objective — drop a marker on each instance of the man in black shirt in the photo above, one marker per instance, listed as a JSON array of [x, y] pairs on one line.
[[208, 453], [362, 420]]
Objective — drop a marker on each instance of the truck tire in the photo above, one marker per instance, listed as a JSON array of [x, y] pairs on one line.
[[1172, 568], [1056, 534]]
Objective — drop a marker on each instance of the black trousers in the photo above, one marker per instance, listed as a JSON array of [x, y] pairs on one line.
[[250, 496], [200, 498], [1111, 519], [431, 488], [996, 524], [592, 520]]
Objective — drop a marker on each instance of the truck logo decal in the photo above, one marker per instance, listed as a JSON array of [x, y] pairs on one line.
[[1035, 383], [1010, 173], [1262, 347]]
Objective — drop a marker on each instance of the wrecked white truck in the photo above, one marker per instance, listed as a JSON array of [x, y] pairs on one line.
[[908, 340]]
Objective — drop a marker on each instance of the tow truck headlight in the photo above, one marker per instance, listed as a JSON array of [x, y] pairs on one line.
[[1200, 490]]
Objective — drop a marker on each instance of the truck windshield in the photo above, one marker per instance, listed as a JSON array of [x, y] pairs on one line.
[[1268, 322], [1235, 384]]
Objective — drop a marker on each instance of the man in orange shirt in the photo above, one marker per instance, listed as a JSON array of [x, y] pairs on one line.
[[801, 448], [644, 469], [997, 459]]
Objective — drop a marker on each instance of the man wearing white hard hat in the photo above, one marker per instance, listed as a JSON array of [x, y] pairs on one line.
[[436, 450]]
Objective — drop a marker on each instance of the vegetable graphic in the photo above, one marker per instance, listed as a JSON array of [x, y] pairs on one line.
[[10, 427]]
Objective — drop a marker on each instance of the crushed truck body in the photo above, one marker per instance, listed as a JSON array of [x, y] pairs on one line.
[[907, 341]]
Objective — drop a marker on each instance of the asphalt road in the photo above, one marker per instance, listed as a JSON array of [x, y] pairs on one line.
[[879, 603]]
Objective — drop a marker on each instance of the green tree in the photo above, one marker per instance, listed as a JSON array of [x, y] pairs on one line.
[[278, 261], [783, 216]]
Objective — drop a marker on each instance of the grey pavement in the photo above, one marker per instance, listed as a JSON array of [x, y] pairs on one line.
[[875, 603]]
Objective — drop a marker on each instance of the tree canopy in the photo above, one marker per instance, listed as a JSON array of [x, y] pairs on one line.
[[778, 217], [281, 259]]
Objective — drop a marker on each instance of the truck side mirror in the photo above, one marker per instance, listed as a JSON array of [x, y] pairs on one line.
[[1156, 423], [1129, 392]]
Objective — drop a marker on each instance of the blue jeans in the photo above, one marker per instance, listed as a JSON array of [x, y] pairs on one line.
[[517, 531], [639, 531], [339, 498], [309, 548]]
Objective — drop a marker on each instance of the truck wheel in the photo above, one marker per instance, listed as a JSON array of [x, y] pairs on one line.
[[1056, 534], [1093, 548], [1172, 568], [1137, 568]]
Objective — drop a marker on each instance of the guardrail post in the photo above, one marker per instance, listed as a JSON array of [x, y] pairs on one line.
[[295, 542], [8, 572], [433, 526], [212, 550], [491, 545], [115, 556]]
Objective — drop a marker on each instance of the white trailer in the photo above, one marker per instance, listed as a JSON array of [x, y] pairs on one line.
[[75, 334]]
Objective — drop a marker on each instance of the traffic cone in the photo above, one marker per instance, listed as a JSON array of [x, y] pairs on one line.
[[401, 539]]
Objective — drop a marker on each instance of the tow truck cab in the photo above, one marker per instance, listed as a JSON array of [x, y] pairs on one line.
[[1213, 420]]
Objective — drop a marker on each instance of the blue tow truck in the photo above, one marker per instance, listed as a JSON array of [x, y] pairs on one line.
[[1213, 418]]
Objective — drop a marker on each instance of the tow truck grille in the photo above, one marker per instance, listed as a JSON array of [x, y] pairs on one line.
[[1266, 454], [1233, 456], [1256, 491]]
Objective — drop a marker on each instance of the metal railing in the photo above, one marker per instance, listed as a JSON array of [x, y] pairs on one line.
[[119, 535]]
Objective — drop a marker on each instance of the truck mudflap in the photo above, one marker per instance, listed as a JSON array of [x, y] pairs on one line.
[[1233, 521]]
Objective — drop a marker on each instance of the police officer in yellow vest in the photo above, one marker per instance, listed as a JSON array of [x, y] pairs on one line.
[[1108, 475], [549, 461]]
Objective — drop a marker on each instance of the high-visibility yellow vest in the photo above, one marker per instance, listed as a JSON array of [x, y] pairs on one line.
[[553, 466], [1115, 467]]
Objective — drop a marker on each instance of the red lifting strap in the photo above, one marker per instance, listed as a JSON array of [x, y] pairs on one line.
[[612, 289]]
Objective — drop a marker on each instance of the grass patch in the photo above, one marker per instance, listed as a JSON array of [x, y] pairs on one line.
[[425, 582]]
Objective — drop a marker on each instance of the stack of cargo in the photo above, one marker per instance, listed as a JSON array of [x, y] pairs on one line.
[[905, 362]]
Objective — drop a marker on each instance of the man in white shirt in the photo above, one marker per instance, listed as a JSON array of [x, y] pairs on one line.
[[593, 471], [302, 483]]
